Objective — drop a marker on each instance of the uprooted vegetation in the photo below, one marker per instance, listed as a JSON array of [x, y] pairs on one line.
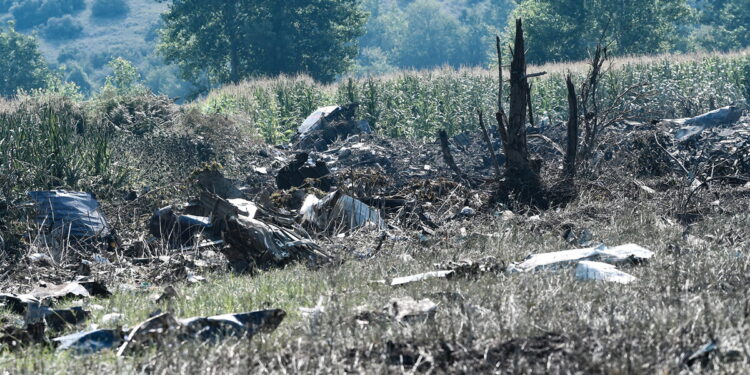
[[349, 249]]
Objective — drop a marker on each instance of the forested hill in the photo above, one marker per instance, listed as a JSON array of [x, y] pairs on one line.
[[79, 37]]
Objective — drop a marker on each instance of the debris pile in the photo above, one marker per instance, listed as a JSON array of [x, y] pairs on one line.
[[335, 179]]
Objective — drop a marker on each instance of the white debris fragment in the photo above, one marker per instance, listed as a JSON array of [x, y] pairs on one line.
[[112, 318], [407, 307], [617, 254], [420, 277], [602, 272]]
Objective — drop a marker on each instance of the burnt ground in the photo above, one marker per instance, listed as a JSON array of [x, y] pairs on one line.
[[687, 201]]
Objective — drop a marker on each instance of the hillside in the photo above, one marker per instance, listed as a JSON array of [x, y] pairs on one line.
[[84, 54]]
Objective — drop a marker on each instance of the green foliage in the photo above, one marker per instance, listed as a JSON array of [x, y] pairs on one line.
[[30, 13], [226, 41], [22, 66], [730, 22], [428, 33], [566, 30], [418, 104], [47, 143], [62, 28], [125, 79], [110, 9], [745, 81]]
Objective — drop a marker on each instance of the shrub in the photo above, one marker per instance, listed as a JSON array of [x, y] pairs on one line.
[[110, 9], [62, 28]]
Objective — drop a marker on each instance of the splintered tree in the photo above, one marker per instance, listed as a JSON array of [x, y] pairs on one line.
[[521, 178]]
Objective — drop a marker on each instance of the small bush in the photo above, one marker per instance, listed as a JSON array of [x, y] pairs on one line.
[[110, 9], [63, 28]]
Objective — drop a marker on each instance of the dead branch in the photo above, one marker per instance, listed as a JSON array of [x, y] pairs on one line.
[[502, 119], [489, 144], [448, 158], [572, 149]]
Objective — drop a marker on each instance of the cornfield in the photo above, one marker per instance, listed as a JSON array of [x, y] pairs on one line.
[[418, 103]]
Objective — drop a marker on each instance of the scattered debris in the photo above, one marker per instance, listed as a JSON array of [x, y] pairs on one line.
[[181, 230], [694, 126], [337, 210], [17, 303], [73, 289], [75, 214], [398, 281], [152, 331], [405, 308], [469, 268], [15, 338], [587, 270], [90, 342], [112, 318], [702, 355], [148, 333], [236, 325], [326, 125], [618, 254], [253, 243], [55, 319], [297, 172]]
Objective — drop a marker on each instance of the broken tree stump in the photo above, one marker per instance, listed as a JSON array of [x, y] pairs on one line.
[[520, 175]]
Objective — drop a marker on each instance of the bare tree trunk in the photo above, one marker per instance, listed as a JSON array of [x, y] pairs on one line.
[[519, 172], [572, 149], [234, 42]]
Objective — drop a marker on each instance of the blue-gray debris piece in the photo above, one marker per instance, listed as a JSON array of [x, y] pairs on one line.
[[238, 325], [76, 213], [90, 342]]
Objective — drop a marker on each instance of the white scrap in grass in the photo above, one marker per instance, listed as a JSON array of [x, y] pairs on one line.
[[406, 307], [112, 318], [602, 272], [617, 254]]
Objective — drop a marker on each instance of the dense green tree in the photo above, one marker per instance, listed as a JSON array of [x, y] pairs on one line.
[[567, 29], [227, 41], [62, 28], [432, 35], [29, 13], [729, 21], [110, 9], [22, 66], [428, 33]]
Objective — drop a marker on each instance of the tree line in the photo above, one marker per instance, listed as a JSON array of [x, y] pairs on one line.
[[214, 42]]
